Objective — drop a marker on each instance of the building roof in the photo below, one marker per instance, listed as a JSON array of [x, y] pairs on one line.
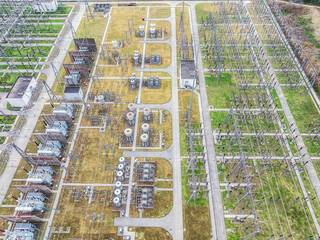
[[187, 69], [102, 5], [19, 87], [72, 90], [85, 41]]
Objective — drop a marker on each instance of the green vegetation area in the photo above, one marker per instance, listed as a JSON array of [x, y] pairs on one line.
[[302, 108], [220, 91], [28, 53], [9, 107], [315, 2], [25, 66], [308, 30], [33, 52], [196, 215], [201, 12], [281, 213], [7, 119], [60, 10], [4, 89], [45, 29], [217, 117], [275, 182], [2, 139], [10, 78], [146, 233]]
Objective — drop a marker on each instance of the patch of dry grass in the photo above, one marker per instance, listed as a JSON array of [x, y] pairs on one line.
[[163, 201], [184, 103], [196, 223], [159, 48], [163, 167], [152, 233], [186, 22], [165, 127], [75, 215], [119, 24], [91, 29], [159, 12], [96, 166], [157, 96], [117, 86]]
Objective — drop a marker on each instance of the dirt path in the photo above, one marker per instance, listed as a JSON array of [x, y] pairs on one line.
[[315, 16], [298, 4]]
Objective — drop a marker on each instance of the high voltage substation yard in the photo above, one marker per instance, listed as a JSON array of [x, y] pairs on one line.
[[163, 120]]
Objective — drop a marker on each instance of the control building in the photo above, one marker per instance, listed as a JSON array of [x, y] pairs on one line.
[[21, 91], [45, 5]]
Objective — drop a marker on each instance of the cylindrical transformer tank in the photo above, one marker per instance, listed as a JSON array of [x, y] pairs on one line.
[[146, 111], [117, 193], [101, 99], [24, 209], [128, 132], [145, 127], [130, 116], [119, 185], [121, 167], [141, 28], [136, 58], [122, 160], [144, 137], [120, 175], [114, 43], [131, 107], [117, 202], [158, 60]]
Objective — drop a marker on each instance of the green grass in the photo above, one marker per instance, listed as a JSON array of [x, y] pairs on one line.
[[270, 180], [217, 117], [219, 93], [41, 52], [7, 120], [4, 89], [196, 217], [60, 10], [308, 30], [12, 108], [201, 12], [304, 21], [10, 78], [302, 109]]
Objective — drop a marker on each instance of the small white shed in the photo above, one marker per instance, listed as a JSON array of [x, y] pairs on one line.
[[21, 91], [45, 6], [73, 94]]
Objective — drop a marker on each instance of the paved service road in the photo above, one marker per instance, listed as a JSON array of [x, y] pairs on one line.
[[210, 151]]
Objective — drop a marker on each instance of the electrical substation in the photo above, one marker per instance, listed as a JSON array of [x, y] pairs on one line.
[[162, 120]]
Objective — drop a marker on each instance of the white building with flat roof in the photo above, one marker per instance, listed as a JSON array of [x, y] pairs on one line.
[[187, 73], [21, 91], [45, 5], [73, 94]]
